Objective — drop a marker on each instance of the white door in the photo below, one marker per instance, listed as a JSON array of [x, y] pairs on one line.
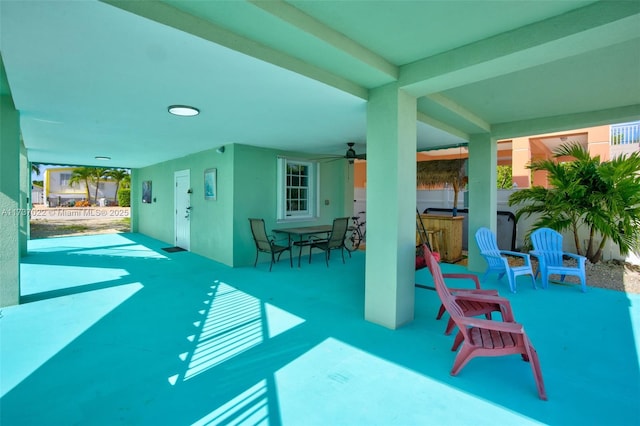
[[182, 197]]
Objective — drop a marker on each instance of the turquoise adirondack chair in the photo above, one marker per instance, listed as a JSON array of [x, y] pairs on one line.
[[497, 261], [547, 248]]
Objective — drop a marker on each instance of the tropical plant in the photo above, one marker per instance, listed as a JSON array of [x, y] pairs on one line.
[[97, 175], [35, 168], [505, 179], [119, 175], [82, 175], [126, 182], [603, 196]]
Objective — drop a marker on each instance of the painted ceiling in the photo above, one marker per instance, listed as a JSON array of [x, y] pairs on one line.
[[95, 78]]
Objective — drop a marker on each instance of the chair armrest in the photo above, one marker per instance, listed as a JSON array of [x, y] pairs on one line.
[[496, 254], [524, 256], [315, 239], [509, 327], [505, 304], [456, 291], [577, 257], [484, 298], [274, 240], [515, 253], [471, 277]]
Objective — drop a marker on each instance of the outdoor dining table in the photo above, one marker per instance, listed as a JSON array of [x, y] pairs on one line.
[[303, 233]]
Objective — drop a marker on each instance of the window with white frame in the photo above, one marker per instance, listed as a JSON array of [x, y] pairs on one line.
[[298, 182]]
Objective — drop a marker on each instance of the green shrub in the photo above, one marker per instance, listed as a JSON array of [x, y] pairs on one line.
[[124, 197]]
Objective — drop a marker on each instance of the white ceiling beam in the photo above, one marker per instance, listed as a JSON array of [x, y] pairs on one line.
[[175, 18], [592, 27], [460, 111], [310, 25], [424, 118]]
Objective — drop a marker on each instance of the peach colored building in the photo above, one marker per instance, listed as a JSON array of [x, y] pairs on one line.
[[606, 141]]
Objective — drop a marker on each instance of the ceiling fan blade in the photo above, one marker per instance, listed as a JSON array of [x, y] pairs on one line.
[[329, 159]]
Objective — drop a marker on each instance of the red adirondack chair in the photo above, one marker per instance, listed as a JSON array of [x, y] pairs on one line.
[[474, 304], [481, 337]]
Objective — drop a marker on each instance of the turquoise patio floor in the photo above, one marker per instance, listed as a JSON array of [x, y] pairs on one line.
[[113, 330]]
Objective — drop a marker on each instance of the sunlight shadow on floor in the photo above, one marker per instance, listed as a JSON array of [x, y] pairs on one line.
[[30, 326]]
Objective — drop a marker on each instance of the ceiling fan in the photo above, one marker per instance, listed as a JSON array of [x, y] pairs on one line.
[[350, 155]]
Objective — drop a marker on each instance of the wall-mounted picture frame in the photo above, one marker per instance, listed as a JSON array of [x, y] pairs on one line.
[[146, 191], [210, 184]]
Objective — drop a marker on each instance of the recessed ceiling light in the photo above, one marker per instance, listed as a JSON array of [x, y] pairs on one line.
[[102, 157], [183, 110]]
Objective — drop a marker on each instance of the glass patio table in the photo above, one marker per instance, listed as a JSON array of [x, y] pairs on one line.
[[302, 234]]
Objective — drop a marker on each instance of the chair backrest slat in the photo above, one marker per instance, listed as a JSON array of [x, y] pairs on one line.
[[548, 243], [443, 292], [488, 246]]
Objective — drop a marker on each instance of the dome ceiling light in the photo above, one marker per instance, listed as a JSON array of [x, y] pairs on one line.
[[183, 110]]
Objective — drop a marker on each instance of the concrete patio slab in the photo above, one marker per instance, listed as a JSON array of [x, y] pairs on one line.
[[113, 330]]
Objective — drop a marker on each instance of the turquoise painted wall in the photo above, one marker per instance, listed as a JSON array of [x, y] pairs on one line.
[[9, 203], [255, 195], [209, 219], [211, 230], [246, 178], [155, 219]]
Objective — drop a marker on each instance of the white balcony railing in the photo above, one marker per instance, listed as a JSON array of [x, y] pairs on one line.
[[626, 133]]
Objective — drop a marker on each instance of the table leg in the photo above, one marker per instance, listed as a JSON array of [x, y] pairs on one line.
[[300, 251]]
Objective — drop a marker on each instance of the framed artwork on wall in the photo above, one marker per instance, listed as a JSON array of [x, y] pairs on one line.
[[210, 184], [146, 191]]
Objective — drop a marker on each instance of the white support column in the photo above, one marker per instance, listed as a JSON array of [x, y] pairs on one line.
[[483, 192], [391, 207], [9, 203]]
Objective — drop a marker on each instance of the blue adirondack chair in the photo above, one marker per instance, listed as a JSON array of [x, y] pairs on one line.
[[547, 248], [498, 262]]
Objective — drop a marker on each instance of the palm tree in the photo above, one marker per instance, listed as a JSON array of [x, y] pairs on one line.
[[120, 176], [126, 182], [97, 174], [603, 196], [82, 175], [35, 168]]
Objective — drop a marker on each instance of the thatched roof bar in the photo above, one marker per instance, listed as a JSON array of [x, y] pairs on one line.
[[439, 172]]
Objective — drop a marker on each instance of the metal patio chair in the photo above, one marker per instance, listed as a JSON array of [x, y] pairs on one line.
[[267, 244]]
